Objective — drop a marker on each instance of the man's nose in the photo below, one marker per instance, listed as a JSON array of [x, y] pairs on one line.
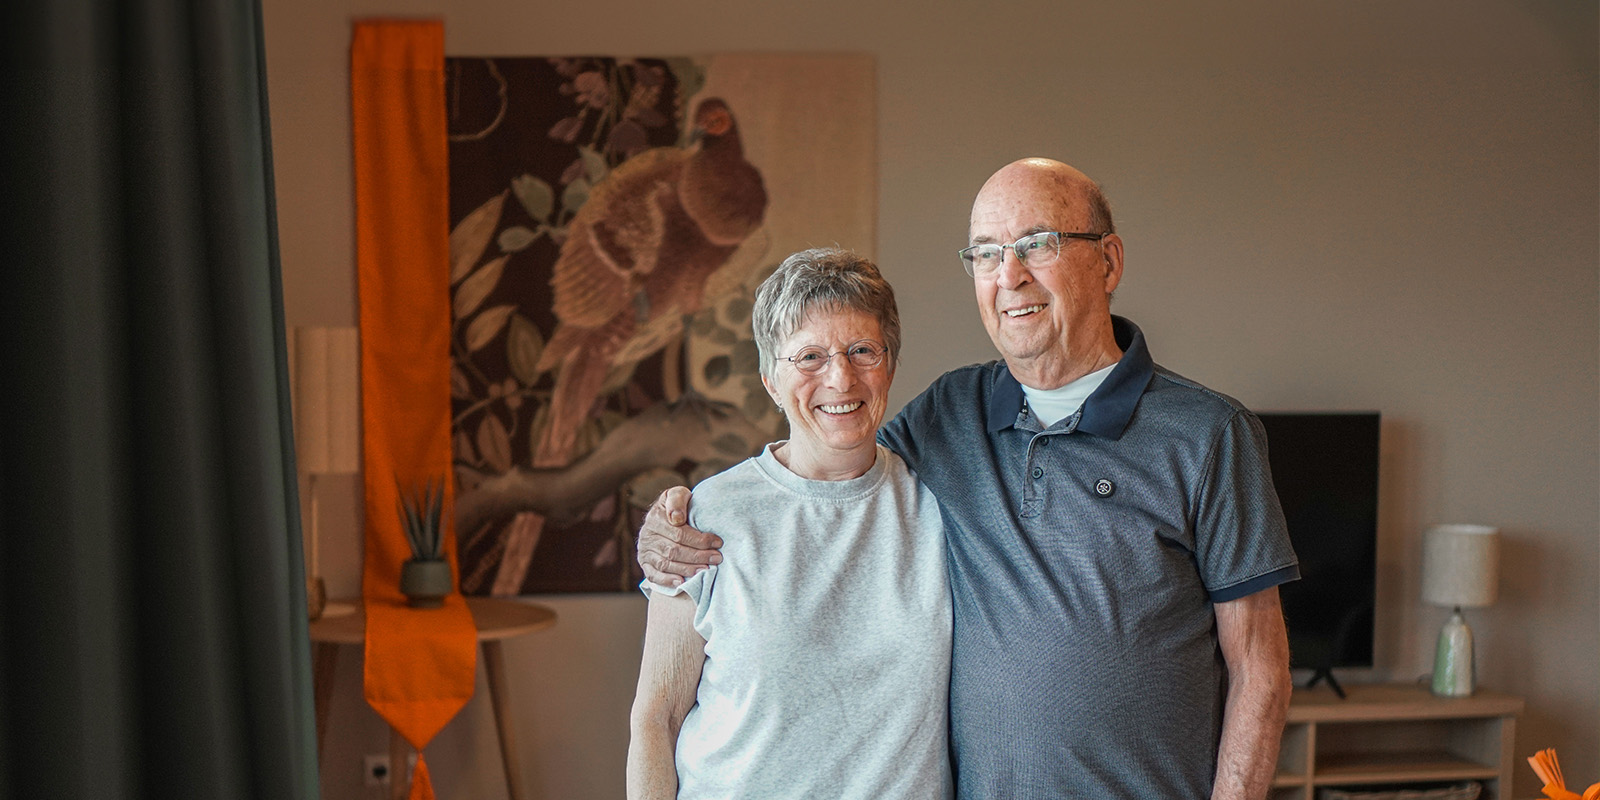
[[1012, 272]]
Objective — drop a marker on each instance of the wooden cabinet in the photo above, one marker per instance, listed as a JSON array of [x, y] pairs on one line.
[[1383, 735]]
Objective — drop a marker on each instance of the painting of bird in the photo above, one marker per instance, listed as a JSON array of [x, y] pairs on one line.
[[636, 259]]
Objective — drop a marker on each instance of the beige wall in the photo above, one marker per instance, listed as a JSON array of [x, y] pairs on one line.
[[1326, 205]]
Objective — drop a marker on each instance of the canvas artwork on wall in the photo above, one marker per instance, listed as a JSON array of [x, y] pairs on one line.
[[610, 219]]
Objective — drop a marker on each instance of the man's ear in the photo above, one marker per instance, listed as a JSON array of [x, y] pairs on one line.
[[1111, 255]]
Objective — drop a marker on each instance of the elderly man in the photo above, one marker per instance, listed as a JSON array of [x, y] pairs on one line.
[[1115, 542]]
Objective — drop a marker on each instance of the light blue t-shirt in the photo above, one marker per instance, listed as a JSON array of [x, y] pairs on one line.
[[827, 629]]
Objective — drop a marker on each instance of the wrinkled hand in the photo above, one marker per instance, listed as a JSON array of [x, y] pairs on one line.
[[670, 550]]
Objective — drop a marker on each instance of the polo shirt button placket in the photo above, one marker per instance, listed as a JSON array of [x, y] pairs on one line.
[[1038, 472]]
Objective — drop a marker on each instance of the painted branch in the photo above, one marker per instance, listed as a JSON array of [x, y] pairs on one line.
[[661, 436]]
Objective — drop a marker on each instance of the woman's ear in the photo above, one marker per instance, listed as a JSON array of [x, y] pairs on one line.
[[772, 391]]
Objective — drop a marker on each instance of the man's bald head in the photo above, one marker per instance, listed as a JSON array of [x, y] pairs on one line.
[[1046, 177]]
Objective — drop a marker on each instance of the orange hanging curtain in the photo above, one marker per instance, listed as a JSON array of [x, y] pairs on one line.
[[420, 664]]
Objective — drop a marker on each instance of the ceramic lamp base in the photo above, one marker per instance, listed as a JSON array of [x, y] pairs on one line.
[[425, 582], [1452, 659]]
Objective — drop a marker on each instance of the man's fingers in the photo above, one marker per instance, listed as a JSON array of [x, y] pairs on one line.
[[678, 545], [666, 573], [675, 500]]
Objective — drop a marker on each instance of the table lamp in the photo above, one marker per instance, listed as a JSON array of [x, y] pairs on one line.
[[325, 365], [1460, 569]]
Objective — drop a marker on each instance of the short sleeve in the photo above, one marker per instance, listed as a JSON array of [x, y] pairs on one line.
[[1241, 540], [696, 586]]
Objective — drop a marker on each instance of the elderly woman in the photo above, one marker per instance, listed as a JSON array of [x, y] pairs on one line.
[[814, 660]]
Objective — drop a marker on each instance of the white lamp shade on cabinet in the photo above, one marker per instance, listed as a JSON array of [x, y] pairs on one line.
[[1460, 565], [326, 374]]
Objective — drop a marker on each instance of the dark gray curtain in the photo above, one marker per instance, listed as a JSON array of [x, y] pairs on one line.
[[152, 612]]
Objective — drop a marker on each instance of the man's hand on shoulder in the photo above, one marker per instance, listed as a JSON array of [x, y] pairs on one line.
[[670, 550]]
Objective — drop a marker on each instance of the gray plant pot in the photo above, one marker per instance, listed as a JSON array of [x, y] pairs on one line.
[[425, 582]]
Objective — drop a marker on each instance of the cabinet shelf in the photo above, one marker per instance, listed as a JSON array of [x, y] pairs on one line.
[[1385, 735]]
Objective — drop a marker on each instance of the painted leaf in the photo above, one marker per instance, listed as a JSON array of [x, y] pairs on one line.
[[524, 345], [737, 310], [516, 238], [732, 444], [717, 370], [594, 165], [604, 510], [566, 130], [573, 171], [541, 419], [494, 443], [459, 387], [607, 554], [463, 448], [575, 195], [474, 290], [536, 196], [487, 326], [628, 137], [471, 236]]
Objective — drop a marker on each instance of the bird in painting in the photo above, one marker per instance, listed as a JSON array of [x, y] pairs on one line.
[[636, 259]]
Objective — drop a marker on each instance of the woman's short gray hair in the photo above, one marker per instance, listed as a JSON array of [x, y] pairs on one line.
[[821, 279]]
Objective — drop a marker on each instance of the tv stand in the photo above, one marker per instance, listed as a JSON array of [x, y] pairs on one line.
[[1326, 673], [1397, 734]]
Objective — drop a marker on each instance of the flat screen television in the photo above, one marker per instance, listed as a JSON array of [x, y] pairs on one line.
[[1325, 470]]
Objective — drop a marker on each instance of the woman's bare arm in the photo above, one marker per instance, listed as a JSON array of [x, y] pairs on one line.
[[669, 677]]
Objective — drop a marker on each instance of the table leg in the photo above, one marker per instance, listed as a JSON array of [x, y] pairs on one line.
[[494, 659], [399, 774], [325, 662]]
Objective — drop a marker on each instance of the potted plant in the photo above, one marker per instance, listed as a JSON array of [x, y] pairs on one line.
[[425, 578]]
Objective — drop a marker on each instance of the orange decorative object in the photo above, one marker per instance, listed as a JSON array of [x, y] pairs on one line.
[[1548, 768], [420, 664]]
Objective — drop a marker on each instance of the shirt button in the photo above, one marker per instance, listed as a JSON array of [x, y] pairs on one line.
[[1044, 441], [1038, 472]]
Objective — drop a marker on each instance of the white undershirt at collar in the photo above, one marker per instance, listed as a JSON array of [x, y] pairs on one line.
[[1053, 405]]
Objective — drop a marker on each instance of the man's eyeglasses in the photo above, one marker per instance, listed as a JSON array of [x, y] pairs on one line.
[[864, 354], [1034, 250]]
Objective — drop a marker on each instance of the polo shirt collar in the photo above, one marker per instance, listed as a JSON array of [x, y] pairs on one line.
[[1107, 412]]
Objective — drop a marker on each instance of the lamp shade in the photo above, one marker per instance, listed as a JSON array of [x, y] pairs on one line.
[[1460, 565], [325, 365]]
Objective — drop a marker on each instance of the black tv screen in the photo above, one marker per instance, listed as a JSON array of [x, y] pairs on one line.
[[1325, 469]]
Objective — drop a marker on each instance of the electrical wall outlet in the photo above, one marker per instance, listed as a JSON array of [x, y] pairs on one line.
[[375, 770]]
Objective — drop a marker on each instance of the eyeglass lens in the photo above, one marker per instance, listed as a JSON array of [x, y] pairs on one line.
[[862, 354], [1037, 248]]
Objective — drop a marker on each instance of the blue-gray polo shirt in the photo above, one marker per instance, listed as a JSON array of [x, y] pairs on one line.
[[1084, 562]]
